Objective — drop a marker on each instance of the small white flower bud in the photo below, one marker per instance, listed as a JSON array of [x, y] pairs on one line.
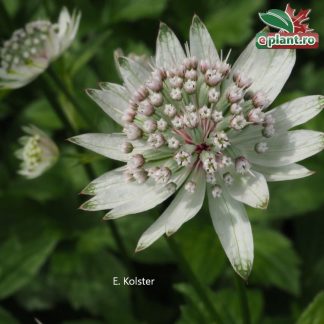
[[219, 140], [190, 186], [238, 122], [216, 191], [162, 125], [156, 99], [183, 158], [208, 160], [191, 120], [190, 107], [177, 122], [176, 94], [235, 109], [261, 147], [127, 147], [242, 165], [194, 62], [176, 82], [268, 131], [136, 161], [190, 86], [217, 116], [149, 126], [170, 110], [210, 178], [213, 95], [228, 179], [173, 143], [156, 140], [256, 116], [162, 175], [269, 120], [133, 132], [205, 112]]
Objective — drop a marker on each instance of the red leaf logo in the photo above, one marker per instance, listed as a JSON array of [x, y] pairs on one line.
[[299, 20]]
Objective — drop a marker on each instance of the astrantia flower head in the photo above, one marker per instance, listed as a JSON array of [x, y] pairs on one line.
[[38, 153], [209, 131], [31, 49]]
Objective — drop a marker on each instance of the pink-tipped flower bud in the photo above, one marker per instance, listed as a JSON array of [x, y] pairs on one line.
[[156, 99], [234, 95], [194, 62], [241, 80], [133, 132], [259, 99], [235, 109], [191, 74], [127, 147], [140, 176], [159, 73], [256, 116], [170, 110], [175, 81], [141, 93], [213, 95], [128, 116], [136, 161], [213, 77], [155, 84], [146, 108], [204, 66], [156, 140], [269, 120], [149, 126], [238, 122]]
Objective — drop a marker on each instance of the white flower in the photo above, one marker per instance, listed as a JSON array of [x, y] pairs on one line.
[[222, 153], [31, 49], [38, 153]]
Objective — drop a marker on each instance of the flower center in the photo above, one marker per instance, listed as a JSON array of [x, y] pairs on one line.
[[186, 112]]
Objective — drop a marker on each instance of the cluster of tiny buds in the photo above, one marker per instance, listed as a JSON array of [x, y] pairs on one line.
[[25, 44], [32, 152], [166, 112]]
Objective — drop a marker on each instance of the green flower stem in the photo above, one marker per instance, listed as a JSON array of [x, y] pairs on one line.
[[69, 96], [88, 169], [243, 300], [195, 282]]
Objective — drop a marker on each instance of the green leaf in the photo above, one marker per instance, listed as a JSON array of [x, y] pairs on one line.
[[314, 313], [6, 317], [275, 262], [226, 302], [21, 260], [132, 10], [88, 52], [222, 22], [204, 252], [277, 19]]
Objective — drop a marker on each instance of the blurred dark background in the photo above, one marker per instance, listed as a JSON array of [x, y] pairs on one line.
[[57, 262]]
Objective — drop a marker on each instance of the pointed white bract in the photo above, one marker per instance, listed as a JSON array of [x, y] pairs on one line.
[[30, 50], [193, 123], [38, 153]]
